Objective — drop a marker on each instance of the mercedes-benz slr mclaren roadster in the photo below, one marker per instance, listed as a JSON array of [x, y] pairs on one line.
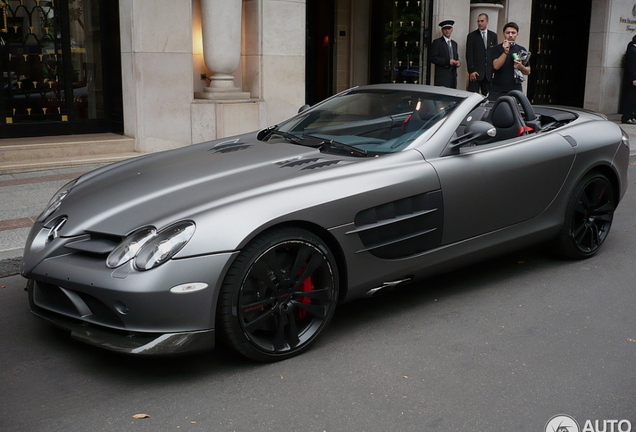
[[254, 240]]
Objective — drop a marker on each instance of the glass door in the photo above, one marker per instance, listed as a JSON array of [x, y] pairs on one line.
[[53, 72], [400, 50]]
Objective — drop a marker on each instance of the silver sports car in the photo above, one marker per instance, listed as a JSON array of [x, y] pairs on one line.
[[256, 239]]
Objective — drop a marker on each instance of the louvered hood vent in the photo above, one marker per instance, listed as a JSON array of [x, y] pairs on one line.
[[230, 146], [310, 163]]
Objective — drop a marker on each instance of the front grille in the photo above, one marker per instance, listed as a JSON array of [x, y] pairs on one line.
[[95, 244], [74, 304]]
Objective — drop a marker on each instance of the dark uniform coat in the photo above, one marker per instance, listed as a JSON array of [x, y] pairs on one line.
[[445, 74], [628, 108], [479, 59]]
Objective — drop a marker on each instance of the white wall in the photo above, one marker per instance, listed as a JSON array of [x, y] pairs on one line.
[[156, 44], [613, 26], [283, 58], [162, 60]]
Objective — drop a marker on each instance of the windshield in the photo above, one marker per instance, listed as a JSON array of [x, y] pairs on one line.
[[367, 122]]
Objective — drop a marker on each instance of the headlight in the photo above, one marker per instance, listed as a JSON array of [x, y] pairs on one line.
[[164, 245], [130, 247], [625, 138], [56, 201]]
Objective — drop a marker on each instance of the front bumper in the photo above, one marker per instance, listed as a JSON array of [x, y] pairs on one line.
[[126, 342], [125, 310]]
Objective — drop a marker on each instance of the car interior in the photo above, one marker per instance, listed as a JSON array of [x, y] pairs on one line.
[[380, 123], [512, 116]]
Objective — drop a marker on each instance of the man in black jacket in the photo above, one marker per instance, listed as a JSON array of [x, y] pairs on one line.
[[628, 110], [510, 63], [445, 57], [478, 56]]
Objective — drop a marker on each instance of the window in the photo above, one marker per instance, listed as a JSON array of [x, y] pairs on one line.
[[53, 67]]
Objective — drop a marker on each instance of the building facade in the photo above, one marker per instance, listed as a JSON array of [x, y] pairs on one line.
[[152, 70]]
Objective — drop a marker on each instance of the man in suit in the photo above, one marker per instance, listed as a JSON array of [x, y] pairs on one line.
[[445, 57], [478, 56]]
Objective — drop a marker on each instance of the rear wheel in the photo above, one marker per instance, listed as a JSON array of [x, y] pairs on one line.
[[279, 295], [588, 217]]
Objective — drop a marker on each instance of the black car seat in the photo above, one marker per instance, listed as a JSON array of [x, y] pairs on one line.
[[506, 119], [423, 111], [529, 117]]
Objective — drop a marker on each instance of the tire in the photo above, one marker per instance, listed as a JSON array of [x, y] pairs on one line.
[[588, 217], [279, 295]]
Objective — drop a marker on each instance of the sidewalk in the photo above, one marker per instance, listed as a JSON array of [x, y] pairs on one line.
[[24, 196]]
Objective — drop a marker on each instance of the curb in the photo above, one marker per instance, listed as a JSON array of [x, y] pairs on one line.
[[10, 267]]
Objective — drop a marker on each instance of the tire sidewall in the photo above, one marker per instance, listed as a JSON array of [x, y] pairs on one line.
[[566, 245], [228, 320]]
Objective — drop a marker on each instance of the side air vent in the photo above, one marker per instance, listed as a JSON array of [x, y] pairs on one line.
[[401, 228]]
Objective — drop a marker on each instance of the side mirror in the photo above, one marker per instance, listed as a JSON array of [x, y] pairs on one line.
[[303, 108], [478, 132]]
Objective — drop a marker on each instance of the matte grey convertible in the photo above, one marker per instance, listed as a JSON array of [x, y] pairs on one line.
[[255, 239]]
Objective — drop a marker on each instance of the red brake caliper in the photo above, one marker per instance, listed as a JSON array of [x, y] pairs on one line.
[[307, 285]]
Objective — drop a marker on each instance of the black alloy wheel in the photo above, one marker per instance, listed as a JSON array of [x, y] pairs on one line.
[[588, 217], [279, 295]]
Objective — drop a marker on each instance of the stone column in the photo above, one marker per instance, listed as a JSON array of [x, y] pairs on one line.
[[490, 9], [221, 28]]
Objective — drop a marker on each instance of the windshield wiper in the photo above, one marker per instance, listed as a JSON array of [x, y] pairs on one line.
[[343, 146], [265, 134], [338, 145], [288, 136]]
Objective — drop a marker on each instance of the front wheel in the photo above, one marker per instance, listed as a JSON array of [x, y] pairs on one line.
[[588, 217], [279, 295]]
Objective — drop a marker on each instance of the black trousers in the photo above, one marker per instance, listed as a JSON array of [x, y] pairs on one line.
[[482, 86], [628, 110]]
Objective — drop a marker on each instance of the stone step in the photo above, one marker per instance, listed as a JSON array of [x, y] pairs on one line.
[[56, 163], [32, 154]]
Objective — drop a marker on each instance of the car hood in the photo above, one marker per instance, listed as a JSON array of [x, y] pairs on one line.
[[162, 188]]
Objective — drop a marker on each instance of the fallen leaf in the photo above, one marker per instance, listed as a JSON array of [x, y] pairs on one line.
[[141, 416]]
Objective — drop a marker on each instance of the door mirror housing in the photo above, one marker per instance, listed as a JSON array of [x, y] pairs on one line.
[[477, 132]]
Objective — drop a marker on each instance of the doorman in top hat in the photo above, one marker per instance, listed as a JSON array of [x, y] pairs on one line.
[[445, 57]]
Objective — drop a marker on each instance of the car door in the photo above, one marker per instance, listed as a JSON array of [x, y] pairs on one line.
[[489, 187]]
